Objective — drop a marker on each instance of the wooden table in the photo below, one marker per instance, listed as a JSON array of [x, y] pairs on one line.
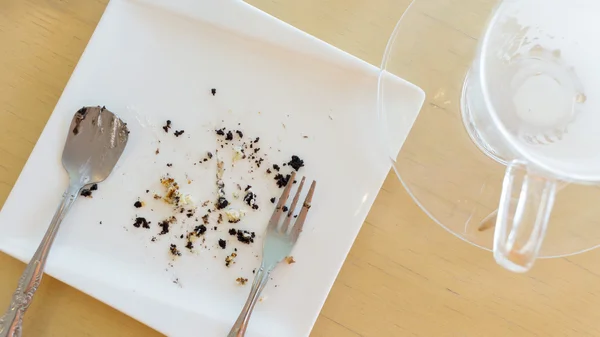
[[405, 276]]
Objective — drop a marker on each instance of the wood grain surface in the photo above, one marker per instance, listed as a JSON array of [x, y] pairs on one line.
[[405, 276]]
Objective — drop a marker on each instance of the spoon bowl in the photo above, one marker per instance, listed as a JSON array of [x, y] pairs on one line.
[[95, 142]]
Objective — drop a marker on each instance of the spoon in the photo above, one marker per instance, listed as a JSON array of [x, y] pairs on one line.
[[94, 144]]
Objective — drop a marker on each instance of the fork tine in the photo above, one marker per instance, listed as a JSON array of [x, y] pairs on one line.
[[286, 221], [297, 229], [282, 200]]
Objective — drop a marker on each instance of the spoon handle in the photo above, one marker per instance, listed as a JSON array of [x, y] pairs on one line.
[[11, 322]]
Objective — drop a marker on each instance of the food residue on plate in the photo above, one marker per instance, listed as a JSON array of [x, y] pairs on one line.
[[141, 222], [230, 259], [190, 225], [174, 251]]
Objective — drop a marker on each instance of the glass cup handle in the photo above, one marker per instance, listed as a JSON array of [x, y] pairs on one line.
[[525, 206]]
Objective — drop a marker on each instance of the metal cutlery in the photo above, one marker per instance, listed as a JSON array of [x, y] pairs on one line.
[[278, 243], [95, 142]]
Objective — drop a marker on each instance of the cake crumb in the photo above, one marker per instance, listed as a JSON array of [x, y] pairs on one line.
[[241, 280], [230, 259], [282, 180], [141, 222], [167, 126], [296, 163], [290, 259], [174, 251]]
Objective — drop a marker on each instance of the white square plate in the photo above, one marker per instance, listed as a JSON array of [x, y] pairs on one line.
[[153, 60]]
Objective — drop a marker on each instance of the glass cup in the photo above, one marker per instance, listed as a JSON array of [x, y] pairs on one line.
[[529, 103], [508, 135]]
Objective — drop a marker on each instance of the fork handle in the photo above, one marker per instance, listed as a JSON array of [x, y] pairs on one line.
[[260, 281], [12, 320]]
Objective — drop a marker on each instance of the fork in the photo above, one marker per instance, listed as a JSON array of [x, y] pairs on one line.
[[278, 243]]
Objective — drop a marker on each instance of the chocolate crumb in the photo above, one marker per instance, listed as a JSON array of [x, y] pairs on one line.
[[232, 231], [147, 191], [173, 249], [220, 218], [199, 230], [244, 237], [282, 180], [181, 236], [189, 245], [164, 225], [296, 162], [137, 204], [169, 165], [205, 219], [222, 203], [229, 136], [210, 155], [257, 139], [215, 228], [276, 167], [153, 239], [167, 126], [250, 198], [213, 91], [285, 208], [247, 188], [239, 133], [157, 151], [179, 133], [220, 132], [139, 221], [273, 200], [94, 187], [268, 171], [222, 243], [242, 281], [86, 193]]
